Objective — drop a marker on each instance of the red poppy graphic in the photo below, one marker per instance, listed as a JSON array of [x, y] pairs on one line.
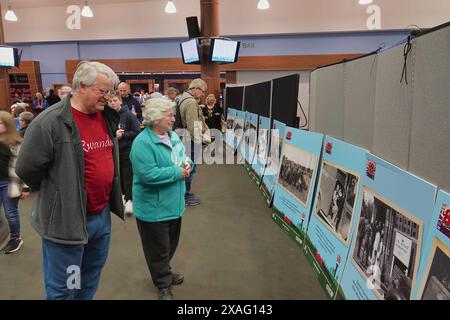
[[339, 259], [370, 170], [303, 215], [318, 258], [329, 147], [287, 220], [289, 135], [445, 215]]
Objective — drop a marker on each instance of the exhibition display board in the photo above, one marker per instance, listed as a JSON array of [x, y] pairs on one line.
[[262, 150], [270, 176], [433, 281], [293, 198], [338, 198], [393, 221]]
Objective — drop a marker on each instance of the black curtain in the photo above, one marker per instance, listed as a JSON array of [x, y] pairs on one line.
[[284, 99]]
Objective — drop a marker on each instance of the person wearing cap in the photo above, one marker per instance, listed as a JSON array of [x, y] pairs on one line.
[[192, 117]]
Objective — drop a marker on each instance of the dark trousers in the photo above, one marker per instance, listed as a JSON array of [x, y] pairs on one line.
[[126, 175], [159, 241], [189, 179]]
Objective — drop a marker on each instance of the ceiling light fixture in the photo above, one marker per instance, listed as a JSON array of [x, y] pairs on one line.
[[364, 2], [263, 5], [170, 7], [10, 15], [87, 12]]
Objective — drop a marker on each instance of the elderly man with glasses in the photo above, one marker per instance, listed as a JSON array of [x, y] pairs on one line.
[[191, 118], [70, 154]]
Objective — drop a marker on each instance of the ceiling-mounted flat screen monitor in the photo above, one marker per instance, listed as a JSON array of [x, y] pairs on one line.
[[190, 52], [7, 57], [10, 57], [225, 51]]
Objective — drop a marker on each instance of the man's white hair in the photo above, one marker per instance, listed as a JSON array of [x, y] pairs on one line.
[[87, 72], [154, 110], [198, 84]]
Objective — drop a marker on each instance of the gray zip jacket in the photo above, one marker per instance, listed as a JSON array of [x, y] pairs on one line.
[[51, 160]]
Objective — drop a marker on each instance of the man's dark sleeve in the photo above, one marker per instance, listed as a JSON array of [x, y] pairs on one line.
[[36, 153]]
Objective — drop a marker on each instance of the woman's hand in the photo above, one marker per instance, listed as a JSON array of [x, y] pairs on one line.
[[187, 166], [24, 195], [185, 173], [119, 133]]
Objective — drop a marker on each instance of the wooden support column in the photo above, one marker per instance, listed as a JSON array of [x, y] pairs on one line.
[[210, 27], [4, 78]]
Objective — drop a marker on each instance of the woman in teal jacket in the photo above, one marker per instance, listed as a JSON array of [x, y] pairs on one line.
[[160, 166]]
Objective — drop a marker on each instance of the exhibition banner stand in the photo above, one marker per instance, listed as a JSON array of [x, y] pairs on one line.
[[394, 219], [434, 270], [293, 198], [262, 149], [331, 225], [248, 147], [270, 175]]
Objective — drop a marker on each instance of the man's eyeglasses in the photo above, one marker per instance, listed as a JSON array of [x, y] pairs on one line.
[[106, 92]]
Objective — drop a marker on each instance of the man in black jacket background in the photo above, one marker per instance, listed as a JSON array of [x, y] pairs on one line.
[[128, 100]]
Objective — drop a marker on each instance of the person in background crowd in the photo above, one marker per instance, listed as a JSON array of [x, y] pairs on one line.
[[39, 104], [16, 110], [128, 100], [78, 182], [212, 113], [191, 115], [52, 97], [156, 95], [64, 91], [160, 166], [127, 130], [11, 187], [142, 96], [172, 94], [25, 119]]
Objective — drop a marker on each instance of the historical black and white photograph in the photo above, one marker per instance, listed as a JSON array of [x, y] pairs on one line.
[[230, 123], [336, 199], [262, 144], [246, 132], [437, 285], [273, 159], [238, 130], [386, 248], [252, 136], [296, 171]]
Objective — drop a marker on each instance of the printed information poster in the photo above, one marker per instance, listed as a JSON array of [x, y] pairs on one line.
[[248, 145], [262, 149], [434, 271], [396, 212], [229, 136], [270, 176], [332, 220], [293, 198]]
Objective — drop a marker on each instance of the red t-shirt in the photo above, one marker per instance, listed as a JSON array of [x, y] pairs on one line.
[[98, 159]]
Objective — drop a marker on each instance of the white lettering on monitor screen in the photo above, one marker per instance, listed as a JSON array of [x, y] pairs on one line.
[[224, 51], [190, 52], [6, 57]]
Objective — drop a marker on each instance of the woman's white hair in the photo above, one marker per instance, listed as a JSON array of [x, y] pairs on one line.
[[87, 72], [154, 110]]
